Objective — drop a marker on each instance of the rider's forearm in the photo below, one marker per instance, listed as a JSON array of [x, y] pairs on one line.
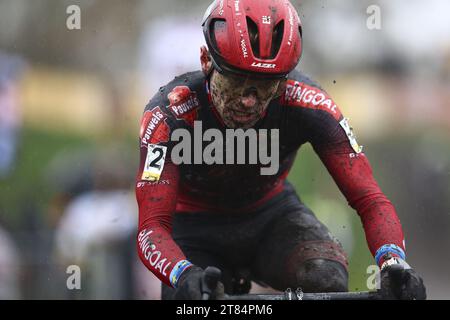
[[353, 174], [381, 225], [161, 255], [156, 248]]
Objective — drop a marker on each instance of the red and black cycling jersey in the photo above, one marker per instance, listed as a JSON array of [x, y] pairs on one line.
[[303, 114]]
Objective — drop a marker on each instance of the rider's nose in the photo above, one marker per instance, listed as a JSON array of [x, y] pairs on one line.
[[249, 98]]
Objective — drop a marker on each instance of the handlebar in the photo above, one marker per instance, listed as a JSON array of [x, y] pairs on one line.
[[212, 276], [366, 295]]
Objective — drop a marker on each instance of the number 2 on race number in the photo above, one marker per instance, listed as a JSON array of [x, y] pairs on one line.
[[154, 162]]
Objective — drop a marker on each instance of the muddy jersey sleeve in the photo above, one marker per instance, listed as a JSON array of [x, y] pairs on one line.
[[332, 138], [157, 183]]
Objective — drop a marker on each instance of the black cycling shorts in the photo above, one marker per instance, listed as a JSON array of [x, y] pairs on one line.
[[265, 245]]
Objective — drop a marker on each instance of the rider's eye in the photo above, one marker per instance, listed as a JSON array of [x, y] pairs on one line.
[[249, 91]]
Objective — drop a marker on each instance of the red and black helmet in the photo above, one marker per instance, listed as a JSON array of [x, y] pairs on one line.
[[253, 37]]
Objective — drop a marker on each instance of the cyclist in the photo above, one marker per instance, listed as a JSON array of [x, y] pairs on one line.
[[250, 225]]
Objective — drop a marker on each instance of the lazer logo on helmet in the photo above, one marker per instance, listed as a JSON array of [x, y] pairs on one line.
[[264, 65]]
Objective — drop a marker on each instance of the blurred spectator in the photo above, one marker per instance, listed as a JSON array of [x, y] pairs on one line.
[[10, 120], [161, 44], [91, 234], [11, 67], [98, 224], [9, 268]]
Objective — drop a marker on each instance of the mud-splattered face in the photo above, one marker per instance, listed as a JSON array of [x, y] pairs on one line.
[[241, 101]]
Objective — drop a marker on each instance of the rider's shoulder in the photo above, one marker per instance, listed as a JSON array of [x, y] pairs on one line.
[[306, 94], [177, 103], [296, 76], [174, 105], [181, 88]]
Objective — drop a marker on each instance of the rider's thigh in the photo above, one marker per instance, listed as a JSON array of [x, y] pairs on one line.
[[299, 251], [321, 275]]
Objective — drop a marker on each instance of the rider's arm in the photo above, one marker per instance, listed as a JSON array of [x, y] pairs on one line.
[[156, 193], [353, 175], [331, 137]]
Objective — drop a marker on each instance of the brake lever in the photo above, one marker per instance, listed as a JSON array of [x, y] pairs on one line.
[[396, 272], [210, 278]]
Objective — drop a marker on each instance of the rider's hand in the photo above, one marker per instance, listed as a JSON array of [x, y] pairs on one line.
[[400, 281], [190, 286]]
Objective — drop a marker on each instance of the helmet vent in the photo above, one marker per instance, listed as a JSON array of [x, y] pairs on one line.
[[277, 38], [217, 26], [253, 34]]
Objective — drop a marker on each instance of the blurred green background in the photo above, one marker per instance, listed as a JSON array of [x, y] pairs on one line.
[[75, 100]]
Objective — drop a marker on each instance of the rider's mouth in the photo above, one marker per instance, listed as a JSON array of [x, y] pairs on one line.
[[242, 116]]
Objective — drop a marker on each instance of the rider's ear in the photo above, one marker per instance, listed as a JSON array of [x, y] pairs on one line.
[[281, 88], [205, 60]]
